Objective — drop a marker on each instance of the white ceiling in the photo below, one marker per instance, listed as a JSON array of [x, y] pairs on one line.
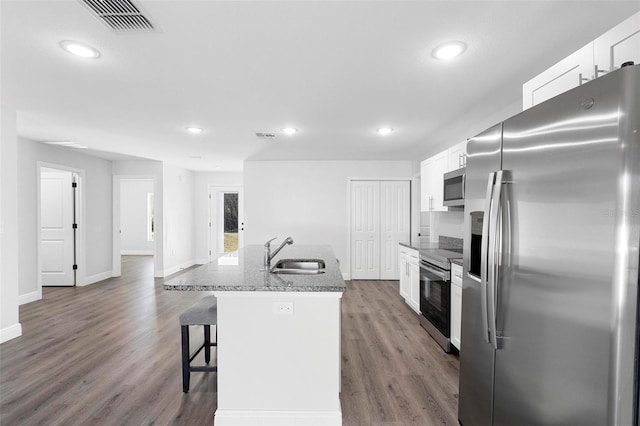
[[336, 70]]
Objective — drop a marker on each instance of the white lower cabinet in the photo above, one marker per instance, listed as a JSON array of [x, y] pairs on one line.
[[408, 259], [456, 304], [414, 285]]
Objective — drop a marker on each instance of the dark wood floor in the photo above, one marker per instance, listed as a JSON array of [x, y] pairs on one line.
[[109, 354]]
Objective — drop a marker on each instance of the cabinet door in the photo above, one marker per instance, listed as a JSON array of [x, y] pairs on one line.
[[618, 45], [438, 169], [404, 276], [570, 72], [425, 196], [456, 314], [457, 156], [365, 230], [395, 226], [431, 172], [414, 283]]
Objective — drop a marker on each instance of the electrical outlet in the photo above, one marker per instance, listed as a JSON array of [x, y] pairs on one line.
[[283, 308]]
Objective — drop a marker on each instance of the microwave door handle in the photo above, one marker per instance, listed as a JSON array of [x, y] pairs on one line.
[[484, 249]]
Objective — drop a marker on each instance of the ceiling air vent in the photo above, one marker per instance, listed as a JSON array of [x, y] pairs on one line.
[[122, 16], [266, 135]]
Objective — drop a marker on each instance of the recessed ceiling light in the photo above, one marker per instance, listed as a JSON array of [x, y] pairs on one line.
[[449, 50], [194, 130], [80, 49], [289, 130], [384, 130]]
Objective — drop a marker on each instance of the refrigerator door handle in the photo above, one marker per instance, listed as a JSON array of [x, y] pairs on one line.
[[494, 255], [487, 231]]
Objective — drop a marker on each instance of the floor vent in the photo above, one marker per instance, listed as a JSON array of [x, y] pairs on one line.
[[122, 16], [266, 135]]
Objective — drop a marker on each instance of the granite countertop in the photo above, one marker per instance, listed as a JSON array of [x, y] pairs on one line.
[[244, 271], [457, 261]]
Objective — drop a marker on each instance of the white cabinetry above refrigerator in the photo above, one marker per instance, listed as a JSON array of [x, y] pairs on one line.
[[605, 54]]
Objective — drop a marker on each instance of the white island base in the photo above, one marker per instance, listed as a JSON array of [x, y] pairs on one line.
[[278, 358]]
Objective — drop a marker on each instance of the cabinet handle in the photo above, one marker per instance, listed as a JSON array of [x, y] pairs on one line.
[[582, 79], [598, 72]]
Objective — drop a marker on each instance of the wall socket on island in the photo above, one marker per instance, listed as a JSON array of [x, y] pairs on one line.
[[283, 308]]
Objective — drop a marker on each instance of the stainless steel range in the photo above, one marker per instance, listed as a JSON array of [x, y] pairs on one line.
[[435, 293]]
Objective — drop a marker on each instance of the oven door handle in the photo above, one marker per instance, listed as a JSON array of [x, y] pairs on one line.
[[444, 275]]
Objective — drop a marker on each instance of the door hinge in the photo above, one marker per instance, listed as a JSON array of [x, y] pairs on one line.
[[209, 196], [75, 267], [74, 185], [75, 226], [209, 224], [209, 252]]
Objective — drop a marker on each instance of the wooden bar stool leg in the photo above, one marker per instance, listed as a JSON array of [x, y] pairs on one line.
[[207, 343], [185, 358]]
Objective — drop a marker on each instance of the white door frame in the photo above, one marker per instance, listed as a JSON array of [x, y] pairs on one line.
[[116, 269], [81, 272], [347, 276], [213, 216]]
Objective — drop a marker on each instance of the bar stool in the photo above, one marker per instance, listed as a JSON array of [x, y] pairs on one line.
[[204, 313]]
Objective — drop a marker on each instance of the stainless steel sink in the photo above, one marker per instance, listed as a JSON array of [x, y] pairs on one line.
[[299, 266]]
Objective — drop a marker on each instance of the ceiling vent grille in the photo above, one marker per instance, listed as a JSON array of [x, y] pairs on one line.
[[122, 16], [266, 135]]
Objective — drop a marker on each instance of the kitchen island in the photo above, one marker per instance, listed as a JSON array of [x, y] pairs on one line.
[[278, 337]]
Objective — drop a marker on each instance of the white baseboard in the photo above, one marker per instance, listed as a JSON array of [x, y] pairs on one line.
[[29, 297], [178, 268], [95, 278], [10, 332], [136, 252], [346, 276], [277, 418], [201, 261]]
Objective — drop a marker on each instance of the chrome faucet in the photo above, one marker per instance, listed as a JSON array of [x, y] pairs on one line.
[[267, 251]]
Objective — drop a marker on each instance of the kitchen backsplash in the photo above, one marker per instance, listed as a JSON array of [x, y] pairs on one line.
[[436, 224]]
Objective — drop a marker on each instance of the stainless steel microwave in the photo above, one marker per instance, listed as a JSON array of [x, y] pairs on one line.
[[453, 194]]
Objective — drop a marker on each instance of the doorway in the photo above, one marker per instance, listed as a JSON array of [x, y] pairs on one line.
[[58, 226], [134, 221], [226, 224]]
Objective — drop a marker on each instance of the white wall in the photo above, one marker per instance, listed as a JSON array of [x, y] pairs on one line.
[[134, 216], [201, 203], [95, 259], [307, 200], [178, 212], [9, 272]]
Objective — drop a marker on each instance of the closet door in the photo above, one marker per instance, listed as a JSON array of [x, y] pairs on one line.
[[365, 230], [395, 225]]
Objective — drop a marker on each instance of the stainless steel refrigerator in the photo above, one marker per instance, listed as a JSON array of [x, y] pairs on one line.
[[551, 253]]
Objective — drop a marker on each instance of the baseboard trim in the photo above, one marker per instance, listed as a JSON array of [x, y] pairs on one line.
[[29, 297], [136, 252], [346, 276], [178, 268], [95, 278], [201, 261], [10, 332], [277, 418]]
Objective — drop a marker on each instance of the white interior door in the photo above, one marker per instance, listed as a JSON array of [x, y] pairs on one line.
[[365, 230], [395, 225], [56, 227], [226, 226]]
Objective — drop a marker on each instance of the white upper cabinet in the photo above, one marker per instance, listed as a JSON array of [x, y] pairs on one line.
[[431, 184], [566, 74], [617, 46], [457, 156], [606, 53]]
